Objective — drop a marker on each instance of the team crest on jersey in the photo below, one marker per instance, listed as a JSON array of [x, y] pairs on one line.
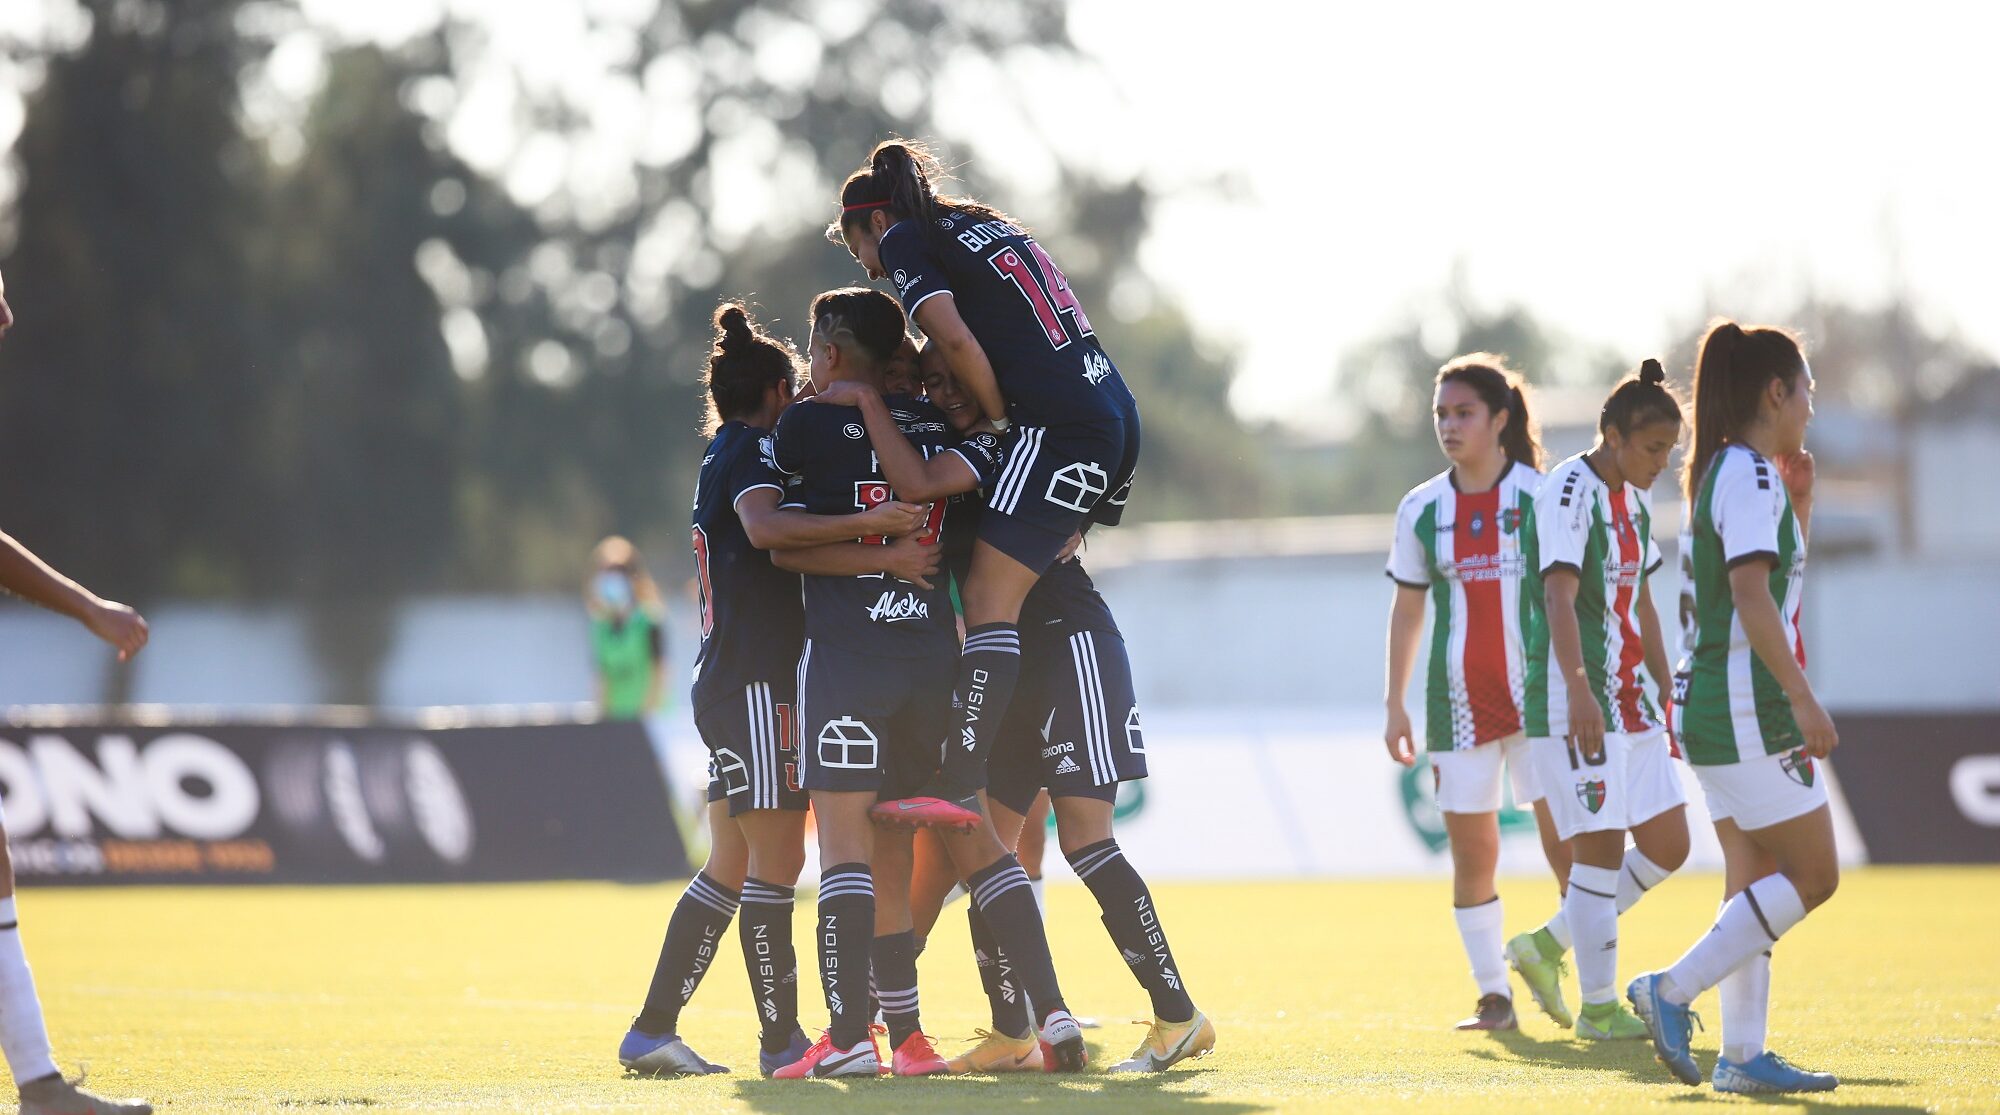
[[1510, 520], [1798, 766], [1477, 525], [1591, 794]]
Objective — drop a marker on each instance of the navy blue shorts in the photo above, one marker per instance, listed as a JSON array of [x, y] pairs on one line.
[[1055, 480], [1073, 726], [753, 749], [873, 723]]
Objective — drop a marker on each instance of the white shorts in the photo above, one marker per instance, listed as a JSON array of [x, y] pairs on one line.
[[1636, 782], [1468, 781], [1763, 792]]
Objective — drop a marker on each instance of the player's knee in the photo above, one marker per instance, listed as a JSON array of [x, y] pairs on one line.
[[1816, 883]]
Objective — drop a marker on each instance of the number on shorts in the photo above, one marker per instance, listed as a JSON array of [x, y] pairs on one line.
[[1575, 754]]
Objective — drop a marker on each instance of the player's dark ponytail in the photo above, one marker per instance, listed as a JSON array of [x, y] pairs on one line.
[[743, 363], [1731, 370], [900, 179], [1640, 400], [868, 317], [1501, 389]]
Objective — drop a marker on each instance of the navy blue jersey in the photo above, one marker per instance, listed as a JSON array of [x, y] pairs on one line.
[[752, 623], [1064, 602], [1050, 367], [832, 469]]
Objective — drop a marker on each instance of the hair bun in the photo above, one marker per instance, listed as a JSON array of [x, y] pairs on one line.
[[733, 322], [1651, 372]]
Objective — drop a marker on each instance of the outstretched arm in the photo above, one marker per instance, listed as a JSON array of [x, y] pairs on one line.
[[32, 579], [905, 559], [938, 317], [771, 527], [912, 477]]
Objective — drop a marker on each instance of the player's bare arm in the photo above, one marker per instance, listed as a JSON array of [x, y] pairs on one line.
[[1586, 719], [1749, 583], [32, 579], [1406, 622], [906, 470], [938, 318], [771, 527], [905, 559], [1653, 642]]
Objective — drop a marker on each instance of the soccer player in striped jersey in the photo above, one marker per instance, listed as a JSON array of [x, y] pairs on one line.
[[744, 678], [1743, 709], [1595, 705], [1074, 729], [1016, 337], [1465, 540], [24, 1036]]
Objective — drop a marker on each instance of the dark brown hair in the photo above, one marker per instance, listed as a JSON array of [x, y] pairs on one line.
[[1731, 370], [867, 316], [899, 178], [1640, 400], [1500, 388], [743, 363]]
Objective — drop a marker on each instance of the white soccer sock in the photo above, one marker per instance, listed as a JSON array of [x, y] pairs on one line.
[[1746, 1005], [24, 1038], [1041, 904], [1591, 909], [1749, 923], [1480, 927], [1639, 876]]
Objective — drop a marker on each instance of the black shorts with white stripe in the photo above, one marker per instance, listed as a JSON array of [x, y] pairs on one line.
[[1056, 479], [868, 723], [1073, 726], [753, 749]]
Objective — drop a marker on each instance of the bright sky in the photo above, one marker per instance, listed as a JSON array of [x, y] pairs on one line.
[[1615, 169]]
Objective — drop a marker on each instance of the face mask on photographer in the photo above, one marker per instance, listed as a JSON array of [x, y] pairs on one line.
[[614, 590]]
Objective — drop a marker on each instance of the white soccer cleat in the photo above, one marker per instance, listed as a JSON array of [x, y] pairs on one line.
[[52, 1095], [1169, 1043]]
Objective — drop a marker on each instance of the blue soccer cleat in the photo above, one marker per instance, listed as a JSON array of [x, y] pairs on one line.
[[1769, 1073], [768, 1063], [1670, 1024], [662, 1055]]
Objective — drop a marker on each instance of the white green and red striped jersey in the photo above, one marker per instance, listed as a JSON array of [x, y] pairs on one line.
[[1729, 707], [1606, 539], [1474, 551]]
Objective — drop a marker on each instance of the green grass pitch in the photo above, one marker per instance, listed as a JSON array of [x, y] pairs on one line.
[[1334, 996]]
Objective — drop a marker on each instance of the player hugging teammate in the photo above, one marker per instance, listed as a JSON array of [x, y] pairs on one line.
[[887, 725]]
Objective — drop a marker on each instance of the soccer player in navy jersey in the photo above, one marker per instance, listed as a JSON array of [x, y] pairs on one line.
[[874, 689], [24, 1037], [1017, 339], [752, 627], [1073, 729]]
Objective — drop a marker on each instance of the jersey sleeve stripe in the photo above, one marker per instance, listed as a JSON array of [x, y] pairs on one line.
[[1767, 557], [968, 464], [752, 488], [1391, 574], [926, 298]]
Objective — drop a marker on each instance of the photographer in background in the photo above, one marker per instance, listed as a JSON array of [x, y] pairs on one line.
[[628, 647]]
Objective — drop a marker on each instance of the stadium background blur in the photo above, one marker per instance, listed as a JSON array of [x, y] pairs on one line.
[[346, 330]]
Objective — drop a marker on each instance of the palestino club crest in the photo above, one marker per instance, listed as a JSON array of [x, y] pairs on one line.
[[1798, 766], [1591, 794], [1510, 520]]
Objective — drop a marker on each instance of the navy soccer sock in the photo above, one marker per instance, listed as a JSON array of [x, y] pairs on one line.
[[987, 670], [996, 975], [1003, 896], [773, 964], [700, 919], [846, 935], [1134, 925], [896, 984]]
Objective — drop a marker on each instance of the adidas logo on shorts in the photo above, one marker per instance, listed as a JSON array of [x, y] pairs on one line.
[[1067, 766]]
